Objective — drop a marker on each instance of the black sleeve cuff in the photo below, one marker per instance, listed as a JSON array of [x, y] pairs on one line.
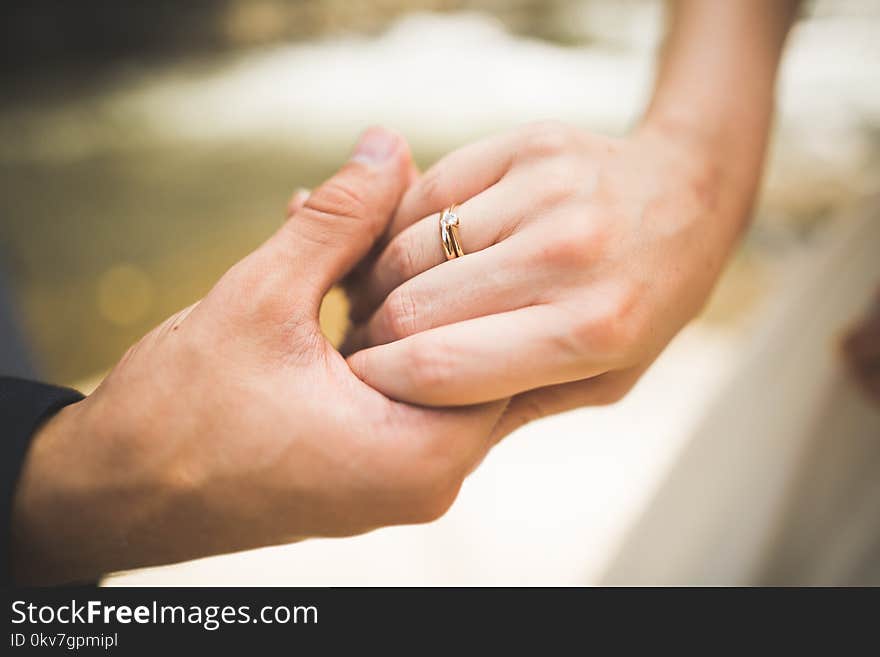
[[24, 405]]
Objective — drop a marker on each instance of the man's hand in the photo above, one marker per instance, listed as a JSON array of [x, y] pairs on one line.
[[235, 424]]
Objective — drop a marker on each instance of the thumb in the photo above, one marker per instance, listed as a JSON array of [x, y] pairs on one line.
[[339, 222]]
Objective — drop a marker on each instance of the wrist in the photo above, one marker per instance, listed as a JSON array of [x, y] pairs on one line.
[[37, 554], [723, 126], [725, 149]]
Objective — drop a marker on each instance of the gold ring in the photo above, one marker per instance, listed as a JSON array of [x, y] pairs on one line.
[[449, 233]]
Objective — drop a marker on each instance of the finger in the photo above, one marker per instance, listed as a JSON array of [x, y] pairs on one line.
[[483, 283], [351, 280], [297, 200], [454, 179], [479, 359], [340, 220], [486, 219], [600, 390], [413, 174]]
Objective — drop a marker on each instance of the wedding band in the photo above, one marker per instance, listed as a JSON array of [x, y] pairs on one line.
[[449, 221]]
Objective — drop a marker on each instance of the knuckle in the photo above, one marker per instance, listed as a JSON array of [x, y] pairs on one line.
[[601, 336], [574, 341], [401, 318], [401, 256], [610, 332], [434, 190], [431, 367], [559, 185], [594, 237], [582, 243], [617, 330], [546, 139], [341, 199], [563, 253]]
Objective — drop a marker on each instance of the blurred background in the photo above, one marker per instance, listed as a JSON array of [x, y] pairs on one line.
[[147, 146]]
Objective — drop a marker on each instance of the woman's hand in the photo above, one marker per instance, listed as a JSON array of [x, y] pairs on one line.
[[235, 424], [584, 256]]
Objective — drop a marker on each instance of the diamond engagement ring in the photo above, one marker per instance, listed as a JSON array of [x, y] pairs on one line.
[[449, 222]]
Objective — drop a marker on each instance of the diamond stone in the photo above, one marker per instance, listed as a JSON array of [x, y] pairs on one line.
[[449, 219]]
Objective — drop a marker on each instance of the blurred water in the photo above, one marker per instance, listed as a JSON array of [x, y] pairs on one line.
[[123, 202]]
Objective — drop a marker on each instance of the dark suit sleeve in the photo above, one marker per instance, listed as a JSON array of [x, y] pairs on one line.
[[24, 406]]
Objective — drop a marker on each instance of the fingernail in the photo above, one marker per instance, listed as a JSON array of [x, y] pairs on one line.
[[375, 146]]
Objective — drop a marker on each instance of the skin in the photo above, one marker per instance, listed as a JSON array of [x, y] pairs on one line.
[[585, 254], [235, 424]]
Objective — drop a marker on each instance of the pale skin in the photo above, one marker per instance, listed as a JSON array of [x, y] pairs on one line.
[[585, 254], [235, 424]]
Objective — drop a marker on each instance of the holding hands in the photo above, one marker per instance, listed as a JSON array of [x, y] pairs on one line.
[[585, 255], [235, 424]]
